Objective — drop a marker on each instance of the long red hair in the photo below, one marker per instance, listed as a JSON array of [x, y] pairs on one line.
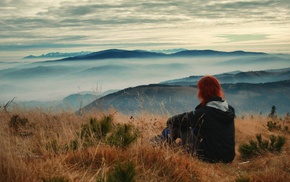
[[208, 87]]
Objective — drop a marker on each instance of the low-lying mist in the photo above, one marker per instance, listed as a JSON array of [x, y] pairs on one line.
[[53, 80]]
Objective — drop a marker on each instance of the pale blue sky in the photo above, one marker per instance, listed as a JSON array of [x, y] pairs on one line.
[[37, 27]]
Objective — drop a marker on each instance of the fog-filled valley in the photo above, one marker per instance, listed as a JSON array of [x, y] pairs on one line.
[[49, 81]]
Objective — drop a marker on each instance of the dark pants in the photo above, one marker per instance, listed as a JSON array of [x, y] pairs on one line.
[[188, 138]]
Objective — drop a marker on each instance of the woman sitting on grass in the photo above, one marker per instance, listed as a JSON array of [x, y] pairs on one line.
[[209, 130]]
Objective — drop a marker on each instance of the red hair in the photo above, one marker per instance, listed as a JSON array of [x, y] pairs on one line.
[[209, 87]]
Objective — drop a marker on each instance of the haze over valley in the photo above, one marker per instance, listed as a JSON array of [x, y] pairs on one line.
[[111, 70]]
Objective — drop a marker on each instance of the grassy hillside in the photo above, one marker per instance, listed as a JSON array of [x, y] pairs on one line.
[[39, 145]]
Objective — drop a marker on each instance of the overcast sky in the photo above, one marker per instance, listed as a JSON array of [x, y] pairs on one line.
[[42, 26]]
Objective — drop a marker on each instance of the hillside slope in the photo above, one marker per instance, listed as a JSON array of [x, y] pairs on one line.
[[245, 97], [238, 77]]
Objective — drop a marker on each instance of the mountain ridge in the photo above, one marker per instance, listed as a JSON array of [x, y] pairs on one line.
[[57, 55], [262, 76], [121, 54]]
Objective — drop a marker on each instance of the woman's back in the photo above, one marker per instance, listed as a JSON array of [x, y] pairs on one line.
[[217, 132]]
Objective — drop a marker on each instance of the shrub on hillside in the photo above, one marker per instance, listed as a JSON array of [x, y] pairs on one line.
[[123, 136], [105, 131], [95, 130], [255, 148], [123, 173], [273, 125], [16, 121]]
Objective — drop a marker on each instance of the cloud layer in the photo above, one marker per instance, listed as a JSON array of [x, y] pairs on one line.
[[30, 26]]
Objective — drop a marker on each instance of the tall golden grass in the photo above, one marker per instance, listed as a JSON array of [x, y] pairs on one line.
[[25, 155]]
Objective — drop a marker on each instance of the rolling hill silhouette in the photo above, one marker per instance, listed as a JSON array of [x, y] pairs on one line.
[[176, 96], [190, 53], [117, 53], [121, 54], [238, 77]]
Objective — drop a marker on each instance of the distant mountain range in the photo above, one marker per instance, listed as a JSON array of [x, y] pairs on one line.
[[180, 95], [58, 55], [121, 54], [238, 77], [118, 53]]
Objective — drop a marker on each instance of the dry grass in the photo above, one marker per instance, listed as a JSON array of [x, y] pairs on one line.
[[25, 155]]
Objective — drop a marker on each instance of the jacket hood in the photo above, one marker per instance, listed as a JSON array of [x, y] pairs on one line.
[[220, 105], [225, 114]]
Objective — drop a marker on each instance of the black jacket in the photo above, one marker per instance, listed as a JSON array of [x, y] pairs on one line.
[[214, 124]]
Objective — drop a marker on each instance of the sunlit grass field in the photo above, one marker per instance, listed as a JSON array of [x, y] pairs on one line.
[[38, 145]]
